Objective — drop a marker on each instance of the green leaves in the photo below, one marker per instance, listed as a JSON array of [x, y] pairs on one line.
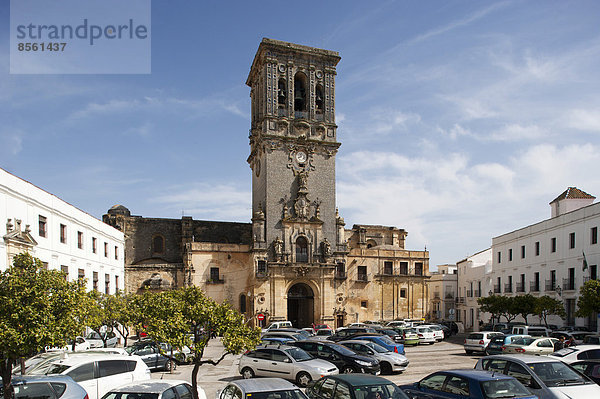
[[589, 299], [524, 305]]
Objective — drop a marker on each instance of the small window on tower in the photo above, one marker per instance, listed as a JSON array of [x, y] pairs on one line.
[[319, 99], [282, 93], [300, 94], [301, 250]]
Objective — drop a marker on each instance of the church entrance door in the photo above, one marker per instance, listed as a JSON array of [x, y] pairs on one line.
[[300, 305]]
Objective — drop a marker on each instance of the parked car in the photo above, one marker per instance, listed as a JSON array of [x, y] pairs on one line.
[[544, 376], [45, 387], [497, 342], [409, 336], [79, 344], [571, 337], [591, 340], [478, 341], [438, 333], [155, 389], [382, 340], [262, 388], [389, 361], [323, 333], [533, 331], [305, 334], [296, 336], [395, 324], [318, 327], [346, 360], [157, 356], [278, 324], [286, 362], [276, 340], [354, 386], [590, 368], [530, 346], [97, 373], [39, 359], [476, 384], [426, 335], [573, 353], [345, 333], [95, 339], [391, 333]]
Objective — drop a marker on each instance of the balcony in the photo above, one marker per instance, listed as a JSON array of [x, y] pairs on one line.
[[469, 294], [477, 293], [520, 287], [534, 286], [449, 295], [215, 281], [568, 284], [550, 285], [300, 114], [460, 299], [362, 278], [508, 288], [436, 295], [497, 289], [282, 112], [340, 275]]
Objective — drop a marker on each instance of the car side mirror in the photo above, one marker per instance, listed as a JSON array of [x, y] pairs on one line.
[[370, 352], [287, 360]]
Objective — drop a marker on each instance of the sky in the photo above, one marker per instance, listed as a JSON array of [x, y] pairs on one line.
[[459, 120]]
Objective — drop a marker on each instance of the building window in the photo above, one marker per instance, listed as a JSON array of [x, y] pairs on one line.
[[106, 250], [570, 283], [42, 226], [45, 265], [63, 234], [95, 281], [572, 240], [553, 244], [499, 257], [535, 286], [510, 255], [242, 303], [537, 248], [404, 268], [300, 92], [79, 240], [116, 252], [340, 270], [158, 244], [498, 286], [593, 272], [94, 245], [80, 274], [116, 283], [522, 251], [388, 268], [362, 273], [65, 270], [261, 269], [319, 99], [282, 94], [509, 285], [301, 250], [402, 292], [552, 280], [418, 268], [107, 283], [594, 235], [363, 304], [478, 292], [214, 274]]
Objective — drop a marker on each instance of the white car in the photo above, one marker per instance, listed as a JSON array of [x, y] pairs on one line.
[[575, 353], [478, 341], [79, 344], [438, 333], [97, 373], [95, 340], [159, 389], [426, 335]]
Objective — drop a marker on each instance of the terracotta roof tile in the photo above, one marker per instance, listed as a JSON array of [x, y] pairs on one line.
[[573, 193]]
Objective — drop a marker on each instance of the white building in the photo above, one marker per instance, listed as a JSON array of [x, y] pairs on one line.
[[546, 258], [442, 291], [474, 277], [60, 235]]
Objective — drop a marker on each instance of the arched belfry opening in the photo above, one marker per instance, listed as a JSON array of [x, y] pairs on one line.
[[300, 305], [281, 93], [301, 250], [300, 92]]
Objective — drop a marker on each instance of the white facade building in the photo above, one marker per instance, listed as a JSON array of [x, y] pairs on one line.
[[546, 258], [60, 235], [442, 291]]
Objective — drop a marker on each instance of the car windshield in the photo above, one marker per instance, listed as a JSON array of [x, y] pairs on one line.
[[556, 373], [504, 388], [298, 354], [523, 341], [324, 332], [289, 394], [93, 335], [377, 348], [342, 350], [130, 395], [380, 391], [51, 369]]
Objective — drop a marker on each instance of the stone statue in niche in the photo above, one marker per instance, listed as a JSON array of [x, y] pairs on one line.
[[301, 208], [278, 247], [326, 248]]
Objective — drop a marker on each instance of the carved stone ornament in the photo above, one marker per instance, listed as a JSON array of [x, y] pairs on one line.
[[301, 271], [326, 248], [278, 247]]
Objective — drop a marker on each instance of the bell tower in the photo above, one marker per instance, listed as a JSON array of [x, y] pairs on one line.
[[293, 145]]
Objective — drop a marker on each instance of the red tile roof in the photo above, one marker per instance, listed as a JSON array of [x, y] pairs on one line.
[[573, 193]]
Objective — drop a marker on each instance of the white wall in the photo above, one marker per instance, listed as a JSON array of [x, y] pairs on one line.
[[22, 200]]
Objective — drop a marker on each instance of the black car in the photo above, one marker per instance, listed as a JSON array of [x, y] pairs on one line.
[[347, 332], [589, 367], [345, 360], [393, 334], [354, 386], [156, 356]]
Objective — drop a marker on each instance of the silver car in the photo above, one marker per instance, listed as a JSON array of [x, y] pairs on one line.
[[47, 387], [261, 388], [286, 362], [388, 361], [155, 389]]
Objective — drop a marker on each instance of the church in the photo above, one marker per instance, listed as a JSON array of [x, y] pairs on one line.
[[296, 260]]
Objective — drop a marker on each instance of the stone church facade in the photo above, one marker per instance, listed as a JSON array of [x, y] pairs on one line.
[[296, 260]]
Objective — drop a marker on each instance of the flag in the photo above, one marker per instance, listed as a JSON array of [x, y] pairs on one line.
[[585, 265]]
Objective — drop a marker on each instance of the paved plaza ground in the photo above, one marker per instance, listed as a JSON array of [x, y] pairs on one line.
[[424, 359]]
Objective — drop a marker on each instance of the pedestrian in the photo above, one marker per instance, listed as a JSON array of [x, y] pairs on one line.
[[560, 344]]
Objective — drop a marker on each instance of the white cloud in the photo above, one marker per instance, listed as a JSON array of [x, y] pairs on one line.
[[11, 141], [516, 132], [583, 119]]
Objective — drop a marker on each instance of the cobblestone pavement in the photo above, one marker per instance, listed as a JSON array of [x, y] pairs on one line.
[[424, 359]]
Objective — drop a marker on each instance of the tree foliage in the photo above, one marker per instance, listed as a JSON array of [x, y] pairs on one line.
[[187, 316], [39, 308], [525, 305], [546, 305], [589, 299]]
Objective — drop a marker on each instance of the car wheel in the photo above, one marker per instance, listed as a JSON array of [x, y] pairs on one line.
[[303, 379], [469, 352], [180, 357], [170, 366], [386, 368], [347, 370], [248, 373]]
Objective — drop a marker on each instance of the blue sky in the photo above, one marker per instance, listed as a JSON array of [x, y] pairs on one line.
[[459, 120]]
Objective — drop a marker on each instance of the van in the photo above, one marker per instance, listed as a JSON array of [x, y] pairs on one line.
[[534, 331], [279, 324], [98, 373]]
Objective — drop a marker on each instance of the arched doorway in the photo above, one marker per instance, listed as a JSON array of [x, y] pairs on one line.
[[300, 305]]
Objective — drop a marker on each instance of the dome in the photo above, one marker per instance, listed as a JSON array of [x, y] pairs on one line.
[[119, 210]]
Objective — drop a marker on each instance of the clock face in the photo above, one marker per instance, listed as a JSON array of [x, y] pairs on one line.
[[301, 156]]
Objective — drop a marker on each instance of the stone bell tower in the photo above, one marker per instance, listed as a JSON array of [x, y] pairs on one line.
[[292, 155]]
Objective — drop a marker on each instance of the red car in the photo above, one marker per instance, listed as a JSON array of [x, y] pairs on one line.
[[318, 327]]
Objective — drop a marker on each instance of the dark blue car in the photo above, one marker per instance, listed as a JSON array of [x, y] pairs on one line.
[[497, 342], [460, 384]]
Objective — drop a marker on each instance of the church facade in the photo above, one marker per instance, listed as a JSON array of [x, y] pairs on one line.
[[296, 260]]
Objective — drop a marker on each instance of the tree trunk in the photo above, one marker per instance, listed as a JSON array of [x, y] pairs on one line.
[[194, 378], [6, 373]]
